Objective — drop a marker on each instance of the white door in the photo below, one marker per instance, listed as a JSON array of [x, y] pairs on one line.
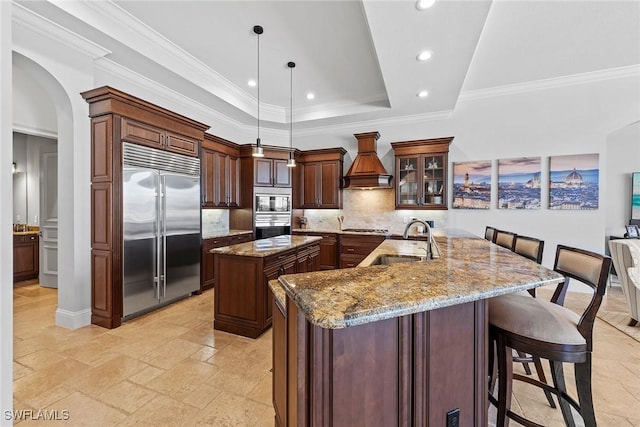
[[49, 222]]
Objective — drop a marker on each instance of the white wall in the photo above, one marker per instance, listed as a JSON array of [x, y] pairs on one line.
[[33, 111], [570, 119], [6, 236], [623, 158]]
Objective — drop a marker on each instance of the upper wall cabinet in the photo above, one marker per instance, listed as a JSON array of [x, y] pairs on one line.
[[220, 170], [144, 134], [421, 173], [321, 178], [271, 173]]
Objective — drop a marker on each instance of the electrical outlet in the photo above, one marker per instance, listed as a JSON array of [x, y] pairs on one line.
[[453, 418]]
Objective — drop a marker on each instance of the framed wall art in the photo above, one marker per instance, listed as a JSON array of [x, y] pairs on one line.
[[519, 183], [472, 185], [574, 182]]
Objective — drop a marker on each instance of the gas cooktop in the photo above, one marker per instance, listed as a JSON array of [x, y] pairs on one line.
[[366, 230]]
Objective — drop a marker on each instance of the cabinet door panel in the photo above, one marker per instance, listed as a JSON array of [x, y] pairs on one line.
[[141, 133], [233, 182], [181, 144], [311, 173], [220, 179], [263, 172], [207, 168], [282, 174], [330, 185]]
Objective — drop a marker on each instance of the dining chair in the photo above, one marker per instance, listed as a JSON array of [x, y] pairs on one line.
[[506, 239], [548, 330], [489, 233]]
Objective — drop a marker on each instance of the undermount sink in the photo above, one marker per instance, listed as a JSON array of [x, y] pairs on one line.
[[388, 259]]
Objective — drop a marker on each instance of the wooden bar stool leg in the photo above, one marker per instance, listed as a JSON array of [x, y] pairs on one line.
[[493, 366], [543, 378], [525, 365], [557, 374], [505, 380], [583, 384]]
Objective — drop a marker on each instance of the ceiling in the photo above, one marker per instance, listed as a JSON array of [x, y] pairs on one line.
[[357, 56]]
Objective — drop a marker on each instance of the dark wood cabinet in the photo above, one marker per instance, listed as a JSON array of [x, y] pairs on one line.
[[145, 134], [271, 173], [321, 178], [26, 257], [118, 117], [243, 302], [421, 173], [384, 373], [220, 171], [354, 249], [207, 267], [328, 258]]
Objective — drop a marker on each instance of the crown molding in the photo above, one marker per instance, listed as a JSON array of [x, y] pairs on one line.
[[34, 131], [366, 124], [172, 96], [33, 22], [556, 82]]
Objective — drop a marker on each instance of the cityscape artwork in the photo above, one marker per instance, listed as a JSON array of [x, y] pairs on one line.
[[519, 183], [574, 182], [472, 185]]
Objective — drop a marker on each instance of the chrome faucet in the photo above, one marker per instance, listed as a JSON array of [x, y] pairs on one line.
[[427, 227]]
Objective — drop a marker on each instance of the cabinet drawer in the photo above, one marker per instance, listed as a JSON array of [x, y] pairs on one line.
[[240, 238], [141, 133], [359, 245], [278, 260], [25, 238], [350, 261]]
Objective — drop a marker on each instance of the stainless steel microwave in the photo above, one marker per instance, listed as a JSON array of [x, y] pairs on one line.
[[273, 203]]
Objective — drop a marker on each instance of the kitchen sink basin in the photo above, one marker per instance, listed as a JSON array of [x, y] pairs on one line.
[[388, 259]]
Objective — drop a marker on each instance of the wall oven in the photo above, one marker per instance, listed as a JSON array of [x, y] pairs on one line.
[[272, 213]]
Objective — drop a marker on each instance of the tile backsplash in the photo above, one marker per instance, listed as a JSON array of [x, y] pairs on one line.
[[367, 209], [215, 221]]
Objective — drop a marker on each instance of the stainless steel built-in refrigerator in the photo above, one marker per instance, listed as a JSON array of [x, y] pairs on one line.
[[161, 226]]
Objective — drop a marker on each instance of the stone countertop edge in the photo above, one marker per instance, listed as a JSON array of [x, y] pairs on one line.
[[469, 269], [413, 233], [278, 292], [25, 233], [231, 232], [266, 247]]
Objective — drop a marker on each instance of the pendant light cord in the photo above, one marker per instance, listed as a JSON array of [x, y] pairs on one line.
[[258, 87], [291, 110]]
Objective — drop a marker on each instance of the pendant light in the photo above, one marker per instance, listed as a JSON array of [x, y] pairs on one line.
[[292, 161], [257, 151]]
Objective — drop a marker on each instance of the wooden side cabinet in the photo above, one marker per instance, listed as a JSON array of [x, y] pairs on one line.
[[118, 117], [321, 185], [26, 257], [207, 267], [421, 173]]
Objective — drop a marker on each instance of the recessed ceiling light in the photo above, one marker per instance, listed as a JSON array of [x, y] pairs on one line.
[[252, 83], [424, 4], [424, 55], [422, 94], [310, 96]]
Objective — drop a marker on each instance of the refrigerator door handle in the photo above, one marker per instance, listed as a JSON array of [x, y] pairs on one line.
[[157, 281], [164, 236]]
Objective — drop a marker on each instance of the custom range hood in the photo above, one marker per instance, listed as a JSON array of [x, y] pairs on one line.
[[367, 171]]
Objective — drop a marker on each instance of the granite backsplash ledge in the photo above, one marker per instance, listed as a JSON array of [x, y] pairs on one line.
[[371, 209]]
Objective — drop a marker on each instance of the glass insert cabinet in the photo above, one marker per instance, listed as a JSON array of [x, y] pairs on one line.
[[421, 173]]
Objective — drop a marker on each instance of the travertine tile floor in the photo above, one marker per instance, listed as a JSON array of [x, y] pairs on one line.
[[170, 367]]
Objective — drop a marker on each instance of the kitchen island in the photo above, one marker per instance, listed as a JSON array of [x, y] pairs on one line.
[[393, 345], [243, 300]]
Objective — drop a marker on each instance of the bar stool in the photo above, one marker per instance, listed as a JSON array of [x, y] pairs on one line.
[[506, 239], [550, 331], [530, 248], [489, 233]]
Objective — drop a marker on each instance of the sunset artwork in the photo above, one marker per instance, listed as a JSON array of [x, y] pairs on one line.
[[472, 185], [519, 183], [574, 182]]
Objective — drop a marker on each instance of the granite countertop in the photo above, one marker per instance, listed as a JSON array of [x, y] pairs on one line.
[[231, 232], [413, 233], [25, 233], [337, 299], [266, 247]]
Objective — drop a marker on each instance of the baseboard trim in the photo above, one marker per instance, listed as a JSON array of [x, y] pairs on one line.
[[73, 319]]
